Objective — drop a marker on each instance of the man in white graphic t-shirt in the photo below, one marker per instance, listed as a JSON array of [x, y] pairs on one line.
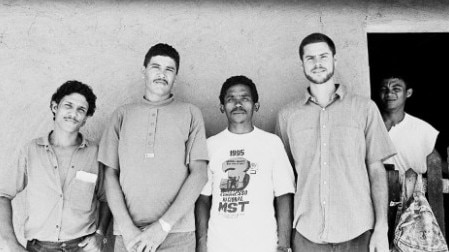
[[247, 203]]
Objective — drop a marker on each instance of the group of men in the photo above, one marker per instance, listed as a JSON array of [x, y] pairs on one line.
[[170, 189]]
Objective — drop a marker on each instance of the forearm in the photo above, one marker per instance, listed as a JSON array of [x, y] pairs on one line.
[[379, 194], [105, 217], [435, 186], [6, 228], [284, 218], [115, 199], [188, 193], [202, 215]]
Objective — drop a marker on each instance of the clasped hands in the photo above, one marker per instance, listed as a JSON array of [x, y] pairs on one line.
[[147, 240]]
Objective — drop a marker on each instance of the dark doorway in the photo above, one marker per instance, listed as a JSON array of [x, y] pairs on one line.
[[421, 58]]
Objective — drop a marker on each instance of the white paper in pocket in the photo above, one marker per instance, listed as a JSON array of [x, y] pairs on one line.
[[86, 176]]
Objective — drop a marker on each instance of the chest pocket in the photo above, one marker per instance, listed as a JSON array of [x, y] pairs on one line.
[[81, 194]]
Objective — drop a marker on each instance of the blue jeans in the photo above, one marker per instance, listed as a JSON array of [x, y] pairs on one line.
[[358, 244], [175, 242], [45, 246]]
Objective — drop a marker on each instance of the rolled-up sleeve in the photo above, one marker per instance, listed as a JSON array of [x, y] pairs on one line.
[[13, 180]]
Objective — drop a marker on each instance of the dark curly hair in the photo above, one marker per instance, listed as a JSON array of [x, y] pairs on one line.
[[162, 50], [239, 79], [74, 86]]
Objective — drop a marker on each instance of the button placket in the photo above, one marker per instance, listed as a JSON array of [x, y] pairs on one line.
[[151, 135]]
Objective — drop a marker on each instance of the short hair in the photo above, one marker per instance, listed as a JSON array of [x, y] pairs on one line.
[[316, 38], [235, 80], [162, 50], [73, 86]]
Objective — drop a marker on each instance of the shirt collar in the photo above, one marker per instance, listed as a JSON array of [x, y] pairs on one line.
[[159, 103], [45, 141], [340, 92]]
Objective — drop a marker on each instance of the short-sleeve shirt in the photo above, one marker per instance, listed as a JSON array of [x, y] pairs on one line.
[[246, 172], [56, 212], [331, 147], [151, 145]]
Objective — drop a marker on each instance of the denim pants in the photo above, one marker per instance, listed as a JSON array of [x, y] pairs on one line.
[[44, 246], [175, 242], [358, 244]]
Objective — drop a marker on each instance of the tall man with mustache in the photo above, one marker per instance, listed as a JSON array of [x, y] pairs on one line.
[[155, 155], [337, 142], [66, 208], [247, 203]]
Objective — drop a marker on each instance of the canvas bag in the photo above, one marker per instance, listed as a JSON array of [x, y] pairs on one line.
[[418, 229]]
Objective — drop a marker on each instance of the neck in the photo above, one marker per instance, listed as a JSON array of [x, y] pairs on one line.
[[60, 138], [240, 128], [393, 117], [155, 98], [323, 92]]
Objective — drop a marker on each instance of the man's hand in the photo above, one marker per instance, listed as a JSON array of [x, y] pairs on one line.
[[128, 234], [93, 243], [149, 240], [379, 241]]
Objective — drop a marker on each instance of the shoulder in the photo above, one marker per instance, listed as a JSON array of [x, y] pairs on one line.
[[418, 123], [217, 137], [290, 108]]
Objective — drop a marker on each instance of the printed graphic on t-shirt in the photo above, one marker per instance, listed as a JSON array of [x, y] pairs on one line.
[[234, 194]]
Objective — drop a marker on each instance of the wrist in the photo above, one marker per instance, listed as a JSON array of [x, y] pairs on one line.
[[99, 232], [165, 225], [284, 249]]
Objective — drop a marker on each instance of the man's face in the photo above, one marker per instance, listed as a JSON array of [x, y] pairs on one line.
[[394, 93], [71, 112], [318, 62], [238, 105], [160, 75]]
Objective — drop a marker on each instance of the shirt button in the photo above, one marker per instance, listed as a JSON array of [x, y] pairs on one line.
[[324, 182], [324, 144], [324, 126], [57, 226], [60, 195], [325, 163], [323, 109], [56, 167], [324, 202]]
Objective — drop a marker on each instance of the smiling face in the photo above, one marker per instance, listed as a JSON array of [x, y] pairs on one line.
[[238, 105], [393, 94], [159, 75], [71, 112], [318, 62]]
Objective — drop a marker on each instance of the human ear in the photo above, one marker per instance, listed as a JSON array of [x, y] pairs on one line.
[[222, 108], [54, 107], [256, 106], [409, 92]]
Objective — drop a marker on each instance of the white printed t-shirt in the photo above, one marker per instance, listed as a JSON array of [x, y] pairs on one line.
[[246, 172]]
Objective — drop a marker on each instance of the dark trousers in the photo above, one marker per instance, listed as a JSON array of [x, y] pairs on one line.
[[67, 246], [358, 244]]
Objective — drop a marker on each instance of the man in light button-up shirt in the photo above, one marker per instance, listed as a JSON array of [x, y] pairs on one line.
[[337, 142], [64, 198]]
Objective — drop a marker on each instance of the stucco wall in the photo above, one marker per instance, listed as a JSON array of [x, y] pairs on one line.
[[102, 43]]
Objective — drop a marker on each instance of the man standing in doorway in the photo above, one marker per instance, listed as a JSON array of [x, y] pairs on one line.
[[155, 155], [247, 203], [414, 140], [63, 180], [337, 141]]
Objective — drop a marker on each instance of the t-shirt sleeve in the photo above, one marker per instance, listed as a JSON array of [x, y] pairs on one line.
[[379, 146], [196, 147], [13, 181], [283, 177], [108, 147], [207, 189], [430, 139]]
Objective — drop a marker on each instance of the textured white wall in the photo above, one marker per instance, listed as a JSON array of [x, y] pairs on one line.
[[102, 43]]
